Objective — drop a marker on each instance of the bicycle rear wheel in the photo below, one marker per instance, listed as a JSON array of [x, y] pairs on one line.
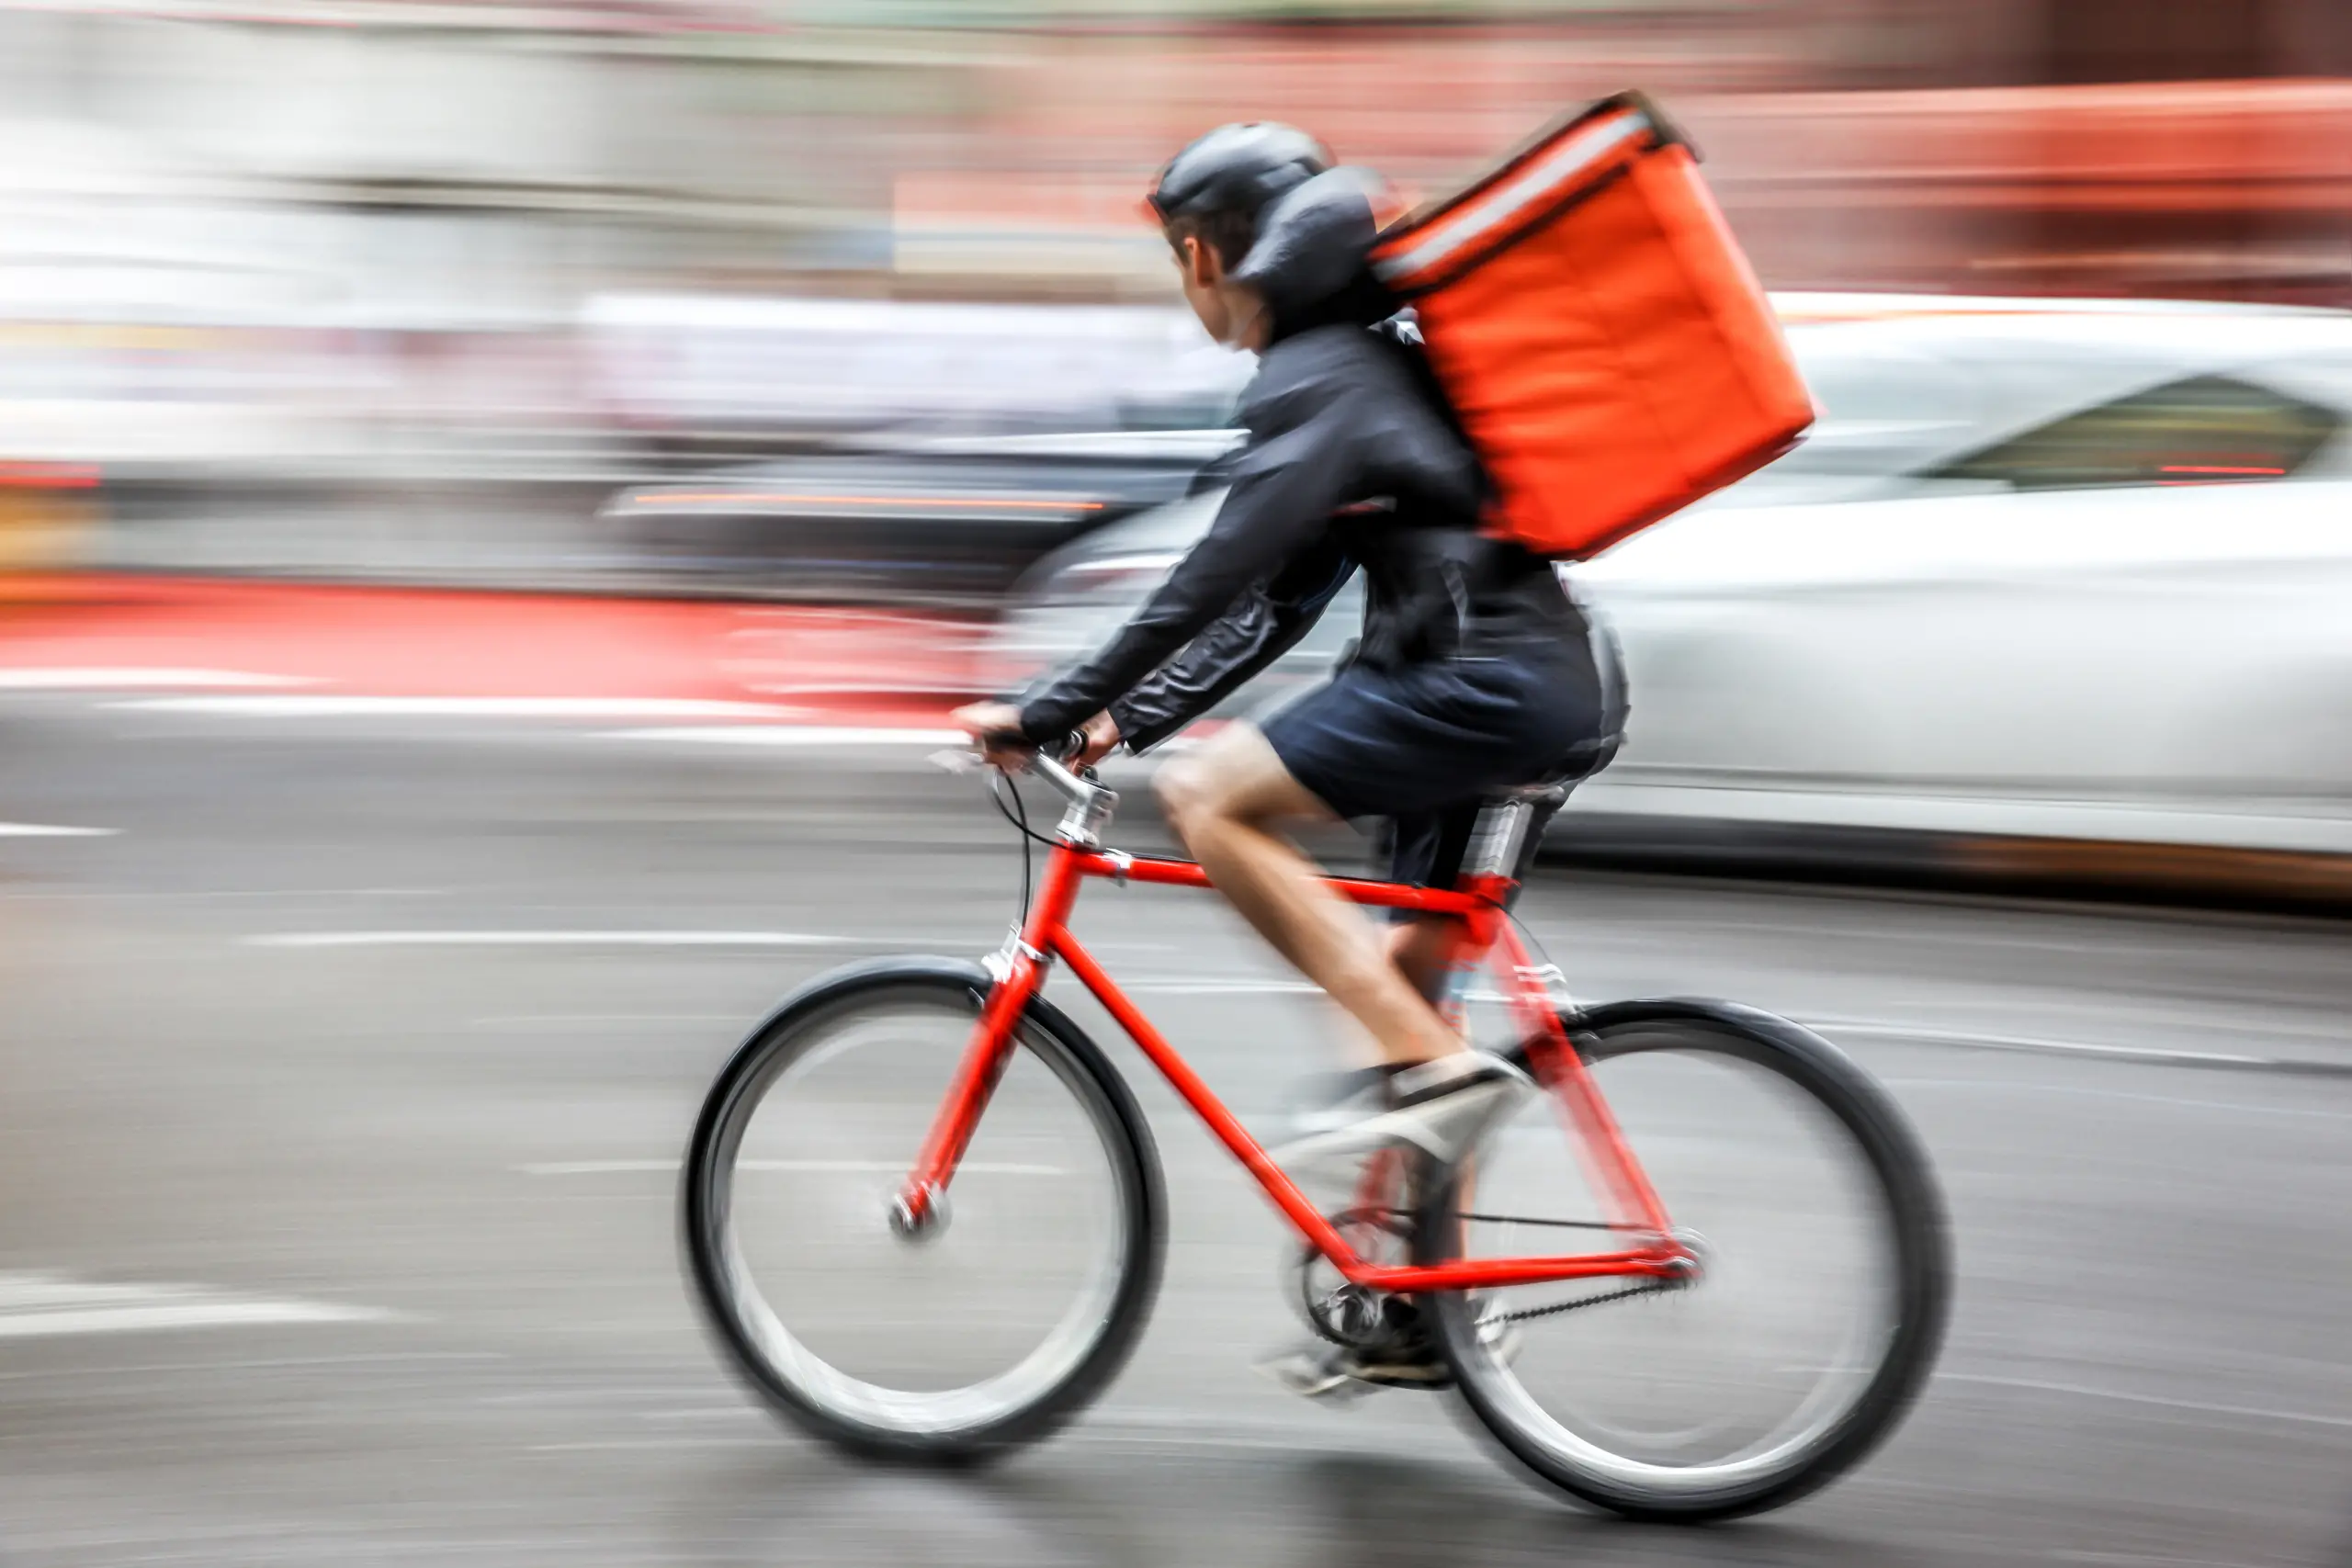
[[1821, 1299], [991, 1326]]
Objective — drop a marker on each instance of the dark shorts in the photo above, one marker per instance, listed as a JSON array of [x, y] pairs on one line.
[[1424, 745]]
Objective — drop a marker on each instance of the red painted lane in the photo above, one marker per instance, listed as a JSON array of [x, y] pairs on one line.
[[439, 643]]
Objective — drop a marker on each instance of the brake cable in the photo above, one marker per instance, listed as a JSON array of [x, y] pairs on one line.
[[999, 785]]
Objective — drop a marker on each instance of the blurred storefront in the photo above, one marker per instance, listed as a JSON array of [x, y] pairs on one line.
[[421, 162], [2067, 146], [367, 239]]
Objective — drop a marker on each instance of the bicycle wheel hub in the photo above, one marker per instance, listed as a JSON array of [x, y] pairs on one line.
[[1697, 1254], [910, 1222]]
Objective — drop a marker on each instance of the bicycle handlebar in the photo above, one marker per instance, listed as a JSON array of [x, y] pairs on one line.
[[1091, 804], [1063, 782]]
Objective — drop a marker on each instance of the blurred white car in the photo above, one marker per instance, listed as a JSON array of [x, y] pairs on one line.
[[2077, 571]]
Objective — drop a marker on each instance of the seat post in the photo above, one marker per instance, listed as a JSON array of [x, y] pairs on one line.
[[1497, 837]]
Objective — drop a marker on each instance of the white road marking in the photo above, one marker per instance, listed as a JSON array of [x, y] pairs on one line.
[[555, 1022], [215, 1365], [2039, 1385], [323, 706], [1241, 986], [1244, 986], [53, 831], [2024, 1043], [44, 1304], [2033, 1089], [794, 734], [63, 678], [545, 939], [1235, 985], [795, 1167]]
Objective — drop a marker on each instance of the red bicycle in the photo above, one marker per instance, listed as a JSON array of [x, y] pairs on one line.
[[1673, 1372]]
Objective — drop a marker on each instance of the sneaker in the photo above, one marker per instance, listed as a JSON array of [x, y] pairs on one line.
[[1409, 1358], [1441, 1107], [1321, 1370], [1324, 1102]]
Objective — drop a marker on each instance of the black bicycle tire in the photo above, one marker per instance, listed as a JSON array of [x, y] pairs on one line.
[[1923, 1273], [702, 1220]]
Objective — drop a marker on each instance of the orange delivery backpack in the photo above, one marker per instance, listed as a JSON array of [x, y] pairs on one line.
[[1600, 335]]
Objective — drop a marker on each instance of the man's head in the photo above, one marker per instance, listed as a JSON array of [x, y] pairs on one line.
[[1208, 199]]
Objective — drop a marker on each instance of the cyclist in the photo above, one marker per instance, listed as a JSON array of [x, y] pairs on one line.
[[1476, 671]]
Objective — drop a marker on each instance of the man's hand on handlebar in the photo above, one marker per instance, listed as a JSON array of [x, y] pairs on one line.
[[995, 730], [1102, 735]]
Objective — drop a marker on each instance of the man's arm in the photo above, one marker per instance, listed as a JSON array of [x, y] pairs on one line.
[[1303, 460], [1264, 624]]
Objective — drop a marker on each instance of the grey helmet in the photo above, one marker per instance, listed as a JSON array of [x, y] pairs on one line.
[[1237, 168], [1314, 222]]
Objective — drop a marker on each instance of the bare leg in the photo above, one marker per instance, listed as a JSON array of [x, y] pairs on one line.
[[1422, 950], [1223, 804]]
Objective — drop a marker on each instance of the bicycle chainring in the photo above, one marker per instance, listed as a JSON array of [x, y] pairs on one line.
[[1344, 1313]]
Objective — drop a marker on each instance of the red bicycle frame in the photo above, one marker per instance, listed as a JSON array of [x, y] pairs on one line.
[[1479, 904]]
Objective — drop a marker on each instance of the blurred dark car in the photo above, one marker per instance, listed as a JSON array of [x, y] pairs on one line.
[[941, 521]]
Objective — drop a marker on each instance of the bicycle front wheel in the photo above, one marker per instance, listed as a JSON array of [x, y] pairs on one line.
[[1822, 1285], [987, 1328]]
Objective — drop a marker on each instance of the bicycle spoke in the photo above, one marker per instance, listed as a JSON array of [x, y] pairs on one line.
[[1025, 1281], [1746, 1377]]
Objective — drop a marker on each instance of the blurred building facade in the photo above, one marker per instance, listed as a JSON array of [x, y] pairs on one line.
[[381, 221]]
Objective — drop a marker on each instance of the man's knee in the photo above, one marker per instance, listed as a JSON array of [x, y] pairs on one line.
[[1190, 794], [1238, 777]]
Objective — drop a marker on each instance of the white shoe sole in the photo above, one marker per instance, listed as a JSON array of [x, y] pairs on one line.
[[1328, 1377], [1441, 1130], [1312, 1377]]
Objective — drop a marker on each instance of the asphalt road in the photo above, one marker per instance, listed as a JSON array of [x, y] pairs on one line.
[[337, 1227]]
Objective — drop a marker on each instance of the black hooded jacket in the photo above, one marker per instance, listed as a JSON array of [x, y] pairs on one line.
[[1353, 461]]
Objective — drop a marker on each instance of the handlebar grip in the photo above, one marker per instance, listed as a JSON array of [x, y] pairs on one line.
[[1068, 749]]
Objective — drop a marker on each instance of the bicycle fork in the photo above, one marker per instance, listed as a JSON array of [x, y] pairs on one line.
[[1018, 968]]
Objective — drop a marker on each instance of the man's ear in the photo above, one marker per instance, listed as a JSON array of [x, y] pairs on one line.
[[1202, 263]]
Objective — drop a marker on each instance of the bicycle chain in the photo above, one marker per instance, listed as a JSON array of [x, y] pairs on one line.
[[1397, 1222], [1653, 1288]]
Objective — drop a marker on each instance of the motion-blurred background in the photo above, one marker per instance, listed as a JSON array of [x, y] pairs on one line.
[[476, 241], [496, 500], [852, 305]]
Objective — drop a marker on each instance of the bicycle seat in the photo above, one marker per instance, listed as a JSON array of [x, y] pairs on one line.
[[1553, 787]]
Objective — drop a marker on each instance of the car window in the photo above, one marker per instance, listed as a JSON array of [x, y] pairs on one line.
[[1212, 409], [1885, 409], [2201, 430]]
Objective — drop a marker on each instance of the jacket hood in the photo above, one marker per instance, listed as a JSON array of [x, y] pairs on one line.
[[1308, 261]]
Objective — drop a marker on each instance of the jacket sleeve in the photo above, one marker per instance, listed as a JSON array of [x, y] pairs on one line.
[[1305, 456], [1261, 626]]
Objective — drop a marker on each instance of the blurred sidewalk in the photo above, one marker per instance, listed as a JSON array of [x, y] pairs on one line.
[[310, 644]]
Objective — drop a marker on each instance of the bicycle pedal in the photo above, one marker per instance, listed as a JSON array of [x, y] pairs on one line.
[[1315, 1373]]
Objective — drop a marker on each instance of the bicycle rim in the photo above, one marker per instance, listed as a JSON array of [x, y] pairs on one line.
[[961, 1333], [1790, 1352]]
